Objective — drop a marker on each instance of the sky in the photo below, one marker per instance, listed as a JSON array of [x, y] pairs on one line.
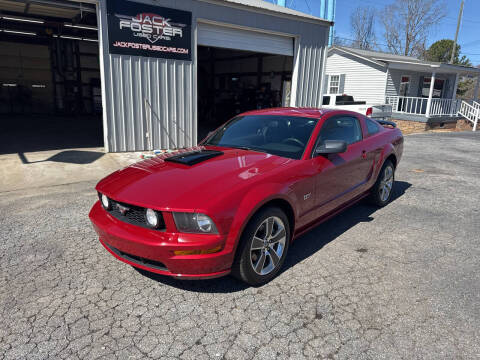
[[468, 37]]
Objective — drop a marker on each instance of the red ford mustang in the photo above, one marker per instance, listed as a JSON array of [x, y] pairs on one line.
[[235, 204]]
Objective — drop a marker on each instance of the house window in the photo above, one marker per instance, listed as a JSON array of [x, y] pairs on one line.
[[334, 84], [437, 87]]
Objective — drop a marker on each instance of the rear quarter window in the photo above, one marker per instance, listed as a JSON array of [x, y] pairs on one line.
[[372, 126]]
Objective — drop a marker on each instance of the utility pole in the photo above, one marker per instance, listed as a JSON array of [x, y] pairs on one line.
[[456, 33]]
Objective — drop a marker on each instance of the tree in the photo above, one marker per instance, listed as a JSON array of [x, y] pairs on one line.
[[362, 22], [441, 51], [337, 40], [407, 24]]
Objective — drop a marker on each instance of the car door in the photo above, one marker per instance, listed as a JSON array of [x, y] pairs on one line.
[[340, 177], [373, 148]]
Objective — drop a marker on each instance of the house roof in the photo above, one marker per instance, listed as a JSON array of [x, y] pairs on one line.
[[273, 9], [404, 62]]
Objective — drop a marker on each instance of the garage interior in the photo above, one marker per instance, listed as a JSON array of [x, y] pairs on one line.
[[50, 94], [233, 81]]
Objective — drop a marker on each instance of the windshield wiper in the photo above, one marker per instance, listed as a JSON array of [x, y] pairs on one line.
[[242, 147]]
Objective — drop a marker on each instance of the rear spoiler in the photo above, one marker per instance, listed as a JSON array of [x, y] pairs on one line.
[[387, 123]]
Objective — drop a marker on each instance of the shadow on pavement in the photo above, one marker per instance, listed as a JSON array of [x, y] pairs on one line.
[[68, 156], [318, 237], [302, 248]]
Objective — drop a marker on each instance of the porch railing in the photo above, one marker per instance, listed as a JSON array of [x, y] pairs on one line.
[[471, 112], [418, 105], [442, 107]]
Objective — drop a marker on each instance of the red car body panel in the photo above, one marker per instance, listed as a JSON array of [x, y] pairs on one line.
[[230, 188]]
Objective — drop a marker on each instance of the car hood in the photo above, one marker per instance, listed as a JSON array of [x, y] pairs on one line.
[[166, 185]]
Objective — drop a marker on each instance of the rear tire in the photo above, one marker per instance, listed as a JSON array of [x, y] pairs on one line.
[[263, 247], [381, 192]]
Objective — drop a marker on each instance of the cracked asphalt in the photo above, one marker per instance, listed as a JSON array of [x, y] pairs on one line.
[[402, 282]]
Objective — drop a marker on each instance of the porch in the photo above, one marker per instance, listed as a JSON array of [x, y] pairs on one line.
[[431, 97]]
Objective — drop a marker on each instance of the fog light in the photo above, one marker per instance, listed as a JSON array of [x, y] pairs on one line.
[[105, 201], [152, 218]]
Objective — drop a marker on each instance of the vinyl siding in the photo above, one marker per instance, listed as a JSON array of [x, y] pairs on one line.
[[364, 80]]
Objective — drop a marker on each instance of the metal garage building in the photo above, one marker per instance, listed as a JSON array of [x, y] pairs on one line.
[[173, 70]]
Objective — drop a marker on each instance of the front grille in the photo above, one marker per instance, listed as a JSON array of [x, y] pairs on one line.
[[138, 260], [135, 215]]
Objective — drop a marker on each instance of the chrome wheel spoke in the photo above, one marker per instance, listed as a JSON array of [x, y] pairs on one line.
[[278, 236], [274, 257], [257, 243], [260, 263], [269, 228]]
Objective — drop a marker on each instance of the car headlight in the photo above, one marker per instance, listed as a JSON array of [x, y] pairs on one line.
[[194, 223], [152, 218], [105, 201]]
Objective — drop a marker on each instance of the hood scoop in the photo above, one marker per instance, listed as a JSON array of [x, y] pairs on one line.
[[193, 157]]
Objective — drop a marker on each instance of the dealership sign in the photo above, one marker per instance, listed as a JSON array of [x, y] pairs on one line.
[[144, 30]]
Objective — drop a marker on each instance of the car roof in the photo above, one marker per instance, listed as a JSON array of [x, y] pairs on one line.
[[291, 111]]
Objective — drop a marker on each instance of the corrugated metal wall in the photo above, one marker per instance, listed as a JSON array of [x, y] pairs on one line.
[[151, 103]]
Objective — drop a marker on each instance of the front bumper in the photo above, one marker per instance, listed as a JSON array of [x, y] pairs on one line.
[[153, 250]]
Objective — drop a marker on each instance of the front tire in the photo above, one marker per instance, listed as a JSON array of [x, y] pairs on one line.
[[381, 192], [263, 247]]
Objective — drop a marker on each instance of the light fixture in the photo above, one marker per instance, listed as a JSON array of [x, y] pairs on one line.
[[70, 37], [85, 27], [20, 32], [12, 18]]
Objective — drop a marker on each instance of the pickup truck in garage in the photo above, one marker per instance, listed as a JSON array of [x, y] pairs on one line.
[[346, 102]]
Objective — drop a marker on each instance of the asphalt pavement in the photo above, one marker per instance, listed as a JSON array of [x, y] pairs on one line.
[[402, 282]]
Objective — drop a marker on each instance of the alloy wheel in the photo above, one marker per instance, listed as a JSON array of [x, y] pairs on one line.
[[268, 245], [386, 184]]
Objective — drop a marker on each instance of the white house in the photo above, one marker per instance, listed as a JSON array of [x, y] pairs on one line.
[[418, 90]]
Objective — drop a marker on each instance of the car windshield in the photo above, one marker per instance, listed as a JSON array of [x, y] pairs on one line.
[[285, 136]]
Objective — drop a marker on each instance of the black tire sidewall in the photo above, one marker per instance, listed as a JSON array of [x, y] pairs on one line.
[[242, 268]]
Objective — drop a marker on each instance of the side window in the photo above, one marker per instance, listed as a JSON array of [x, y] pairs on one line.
[[372, 126], [326, 100], [346, 128]]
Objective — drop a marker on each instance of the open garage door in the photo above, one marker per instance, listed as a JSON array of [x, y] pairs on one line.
[[232, 81], [240, 39], [50, 95]]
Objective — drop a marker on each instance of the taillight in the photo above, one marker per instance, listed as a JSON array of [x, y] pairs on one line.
[[369, 111]]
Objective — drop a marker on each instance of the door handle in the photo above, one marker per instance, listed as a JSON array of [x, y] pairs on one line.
[[364, 154]]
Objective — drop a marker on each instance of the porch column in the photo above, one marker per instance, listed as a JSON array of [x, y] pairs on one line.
[[430, 94], [475, 92], [455, 87]]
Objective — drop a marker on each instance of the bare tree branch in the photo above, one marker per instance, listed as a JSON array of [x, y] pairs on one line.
[[407, 24], [362, 22]]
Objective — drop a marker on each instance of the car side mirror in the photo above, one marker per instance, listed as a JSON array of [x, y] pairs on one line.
[[331, 147]]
